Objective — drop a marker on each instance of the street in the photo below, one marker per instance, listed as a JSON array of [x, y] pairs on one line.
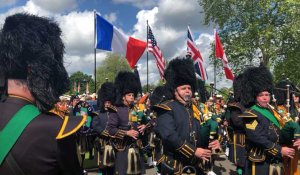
[[222, 167]]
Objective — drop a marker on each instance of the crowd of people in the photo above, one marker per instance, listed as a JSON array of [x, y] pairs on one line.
[[177, 128]]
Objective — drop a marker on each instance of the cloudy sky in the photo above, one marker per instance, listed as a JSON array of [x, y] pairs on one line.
[[167, 18]]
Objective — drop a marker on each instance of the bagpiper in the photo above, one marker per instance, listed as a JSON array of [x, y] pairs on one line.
[[105, 151], [33, 140], [178, 123], [284, 107], [262, 127], [236, 131], [125, 126]]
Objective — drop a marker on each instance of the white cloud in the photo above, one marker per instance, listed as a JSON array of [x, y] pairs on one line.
[[169, 20], [153, 75], [6, 3], [78, 32], [112, 17], [138, 3], [56, 6], [85, 63], [29, 7]]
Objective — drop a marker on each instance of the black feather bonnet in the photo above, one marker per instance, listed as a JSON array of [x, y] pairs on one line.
[[31, 49], [180, 71], [254, 81]]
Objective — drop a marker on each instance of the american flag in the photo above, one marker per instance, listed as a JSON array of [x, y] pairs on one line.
[[193, 51], [155, 50]]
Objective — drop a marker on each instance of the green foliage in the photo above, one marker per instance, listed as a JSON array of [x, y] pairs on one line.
[[288, 68], [255, 31], [83, 79], [110, 67]]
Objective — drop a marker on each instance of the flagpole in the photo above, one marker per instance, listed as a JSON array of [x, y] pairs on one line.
[[215, 67], [147, 60], [95, 51]]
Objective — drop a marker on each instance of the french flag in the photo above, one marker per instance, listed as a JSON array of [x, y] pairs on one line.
[[110, 38]]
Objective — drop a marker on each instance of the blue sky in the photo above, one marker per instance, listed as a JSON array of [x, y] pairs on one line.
[[168, 20]]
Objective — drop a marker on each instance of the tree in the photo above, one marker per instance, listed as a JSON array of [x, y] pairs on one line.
[[83, 79], [110, 67], [255, 31], [288, 68]]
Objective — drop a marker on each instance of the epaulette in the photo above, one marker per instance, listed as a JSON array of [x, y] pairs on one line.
[[94, 114], [163, 106], [71, 125], [56, 113], [248, 114], [112, 109], [234, 105]]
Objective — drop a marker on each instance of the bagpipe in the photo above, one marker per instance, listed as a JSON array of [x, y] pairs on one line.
[[137, 117], [208, 131], [290, 130], [86, 135]]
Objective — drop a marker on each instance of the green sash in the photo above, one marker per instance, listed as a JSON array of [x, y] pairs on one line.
[[267, 114], [14, 128]]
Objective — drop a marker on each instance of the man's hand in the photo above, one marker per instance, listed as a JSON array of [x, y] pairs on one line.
[[297, 144], [287, 152], [132, 133], [204, 154], [225, 123], [141, 129], [214, 145]]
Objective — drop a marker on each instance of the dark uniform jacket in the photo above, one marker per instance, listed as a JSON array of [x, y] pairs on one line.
[[37, 151], [118, 122], [99, 122], [117, 126], [262, 141], [237, 153], [179, 131]]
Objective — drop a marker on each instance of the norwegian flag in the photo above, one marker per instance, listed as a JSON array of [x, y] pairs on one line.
[[155, 50], [220, 54], [193, 51]]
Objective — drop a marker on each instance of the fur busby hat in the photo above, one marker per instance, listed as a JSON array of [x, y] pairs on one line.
[[254, 81], [237, 87], [159, 95], [106, 93], [31, 50], [180, 71], [126, 82]]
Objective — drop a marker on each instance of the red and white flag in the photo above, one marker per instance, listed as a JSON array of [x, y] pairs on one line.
[[220, 54], [155, 50], [193, 51]]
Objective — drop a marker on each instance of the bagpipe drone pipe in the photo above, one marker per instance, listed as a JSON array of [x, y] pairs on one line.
[[290, 130]]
